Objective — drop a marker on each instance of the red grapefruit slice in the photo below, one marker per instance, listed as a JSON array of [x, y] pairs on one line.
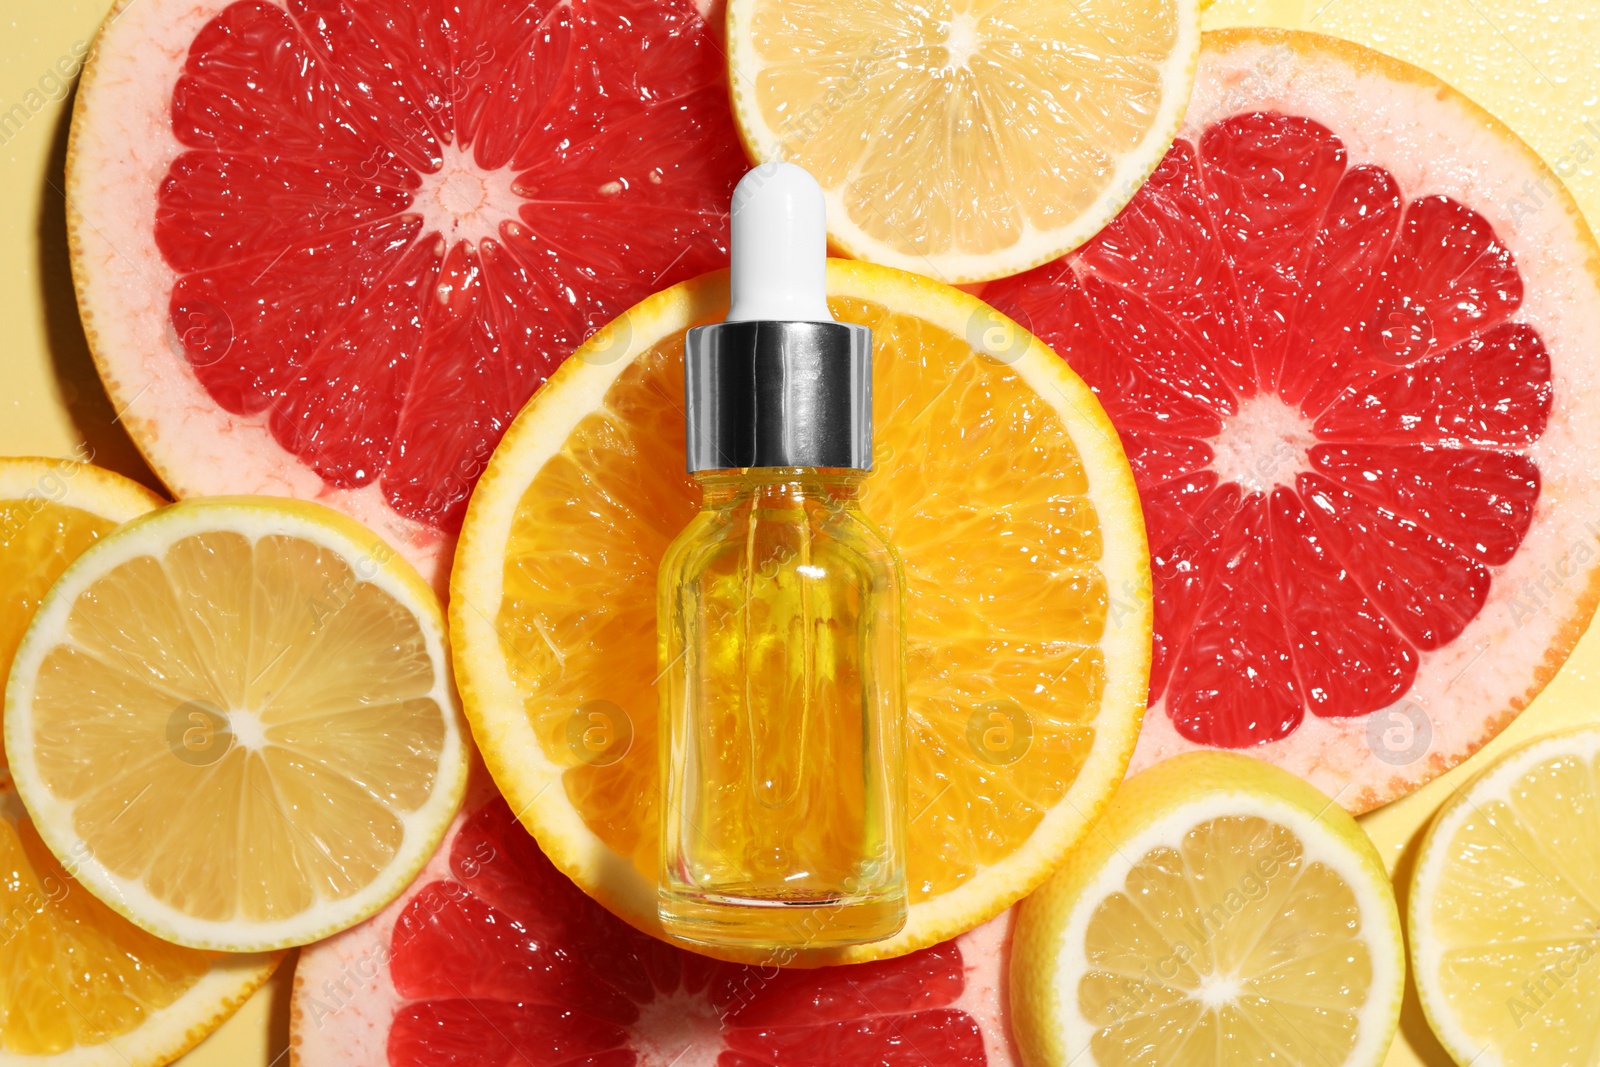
[[494, 958], [1345, 333], [327, 248]]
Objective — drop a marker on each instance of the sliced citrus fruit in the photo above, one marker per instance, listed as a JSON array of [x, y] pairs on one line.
[[1222, 912], [964, 139], [84, 987], [1505, 909], [327, 250], [1349, 381], [50, 511], [494, 957], [233, 719], [1027, 627]]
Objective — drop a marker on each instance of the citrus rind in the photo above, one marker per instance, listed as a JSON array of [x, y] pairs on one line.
[[169, 1032], [75, 484]]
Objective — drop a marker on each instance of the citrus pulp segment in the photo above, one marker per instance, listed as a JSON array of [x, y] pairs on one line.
[[326, 250], [1505, 909], [50, 511], [85, 987], [234, 719], [1222, 912], [1027, 630], [1349, 378], [494, 957], [964, 139]]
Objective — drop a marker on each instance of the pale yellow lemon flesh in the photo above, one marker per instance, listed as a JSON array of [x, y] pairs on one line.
[[964, 139], [1505, 909], [239, 714], [1222, 912]]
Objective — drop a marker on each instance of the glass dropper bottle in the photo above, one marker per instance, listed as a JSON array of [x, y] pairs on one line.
[[779, 614]]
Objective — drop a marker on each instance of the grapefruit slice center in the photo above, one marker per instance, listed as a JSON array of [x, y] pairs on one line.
[[1326, 403], [388, 225]]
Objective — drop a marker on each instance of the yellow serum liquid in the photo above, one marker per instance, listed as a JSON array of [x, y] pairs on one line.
[[782, 701]]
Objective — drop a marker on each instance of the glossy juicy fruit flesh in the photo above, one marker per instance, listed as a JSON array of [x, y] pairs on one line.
[[389, 225], [78, 974], [1026, 635], [507, 962], [974, 634], [50, 511], [1324, 399], [1505, 910], [42, 537], [963, 139], [55, 926], [1350, 385], [1264, 952], [386, 224], [1225, 913], [289, 698], [235, 721]]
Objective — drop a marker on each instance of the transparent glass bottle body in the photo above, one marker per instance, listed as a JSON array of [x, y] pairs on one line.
[[782, 708]]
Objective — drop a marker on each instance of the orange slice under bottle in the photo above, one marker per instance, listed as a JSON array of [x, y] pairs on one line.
[[1002, 486]]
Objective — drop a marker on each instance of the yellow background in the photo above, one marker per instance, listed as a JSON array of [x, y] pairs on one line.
[[1531, 62]]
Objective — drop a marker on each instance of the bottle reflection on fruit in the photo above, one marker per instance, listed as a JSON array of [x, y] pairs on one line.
[[782, 696]]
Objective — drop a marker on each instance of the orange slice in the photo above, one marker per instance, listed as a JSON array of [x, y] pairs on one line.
[[998, 479]]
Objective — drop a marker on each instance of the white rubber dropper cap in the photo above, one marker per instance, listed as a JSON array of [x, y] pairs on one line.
[[778, 255]]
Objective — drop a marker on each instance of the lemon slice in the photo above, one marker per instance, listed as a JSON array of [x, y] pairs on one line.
[[84, 986], [1004, 490], [964, 139], [233, 720], [1505, 909], [1223, 912]]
